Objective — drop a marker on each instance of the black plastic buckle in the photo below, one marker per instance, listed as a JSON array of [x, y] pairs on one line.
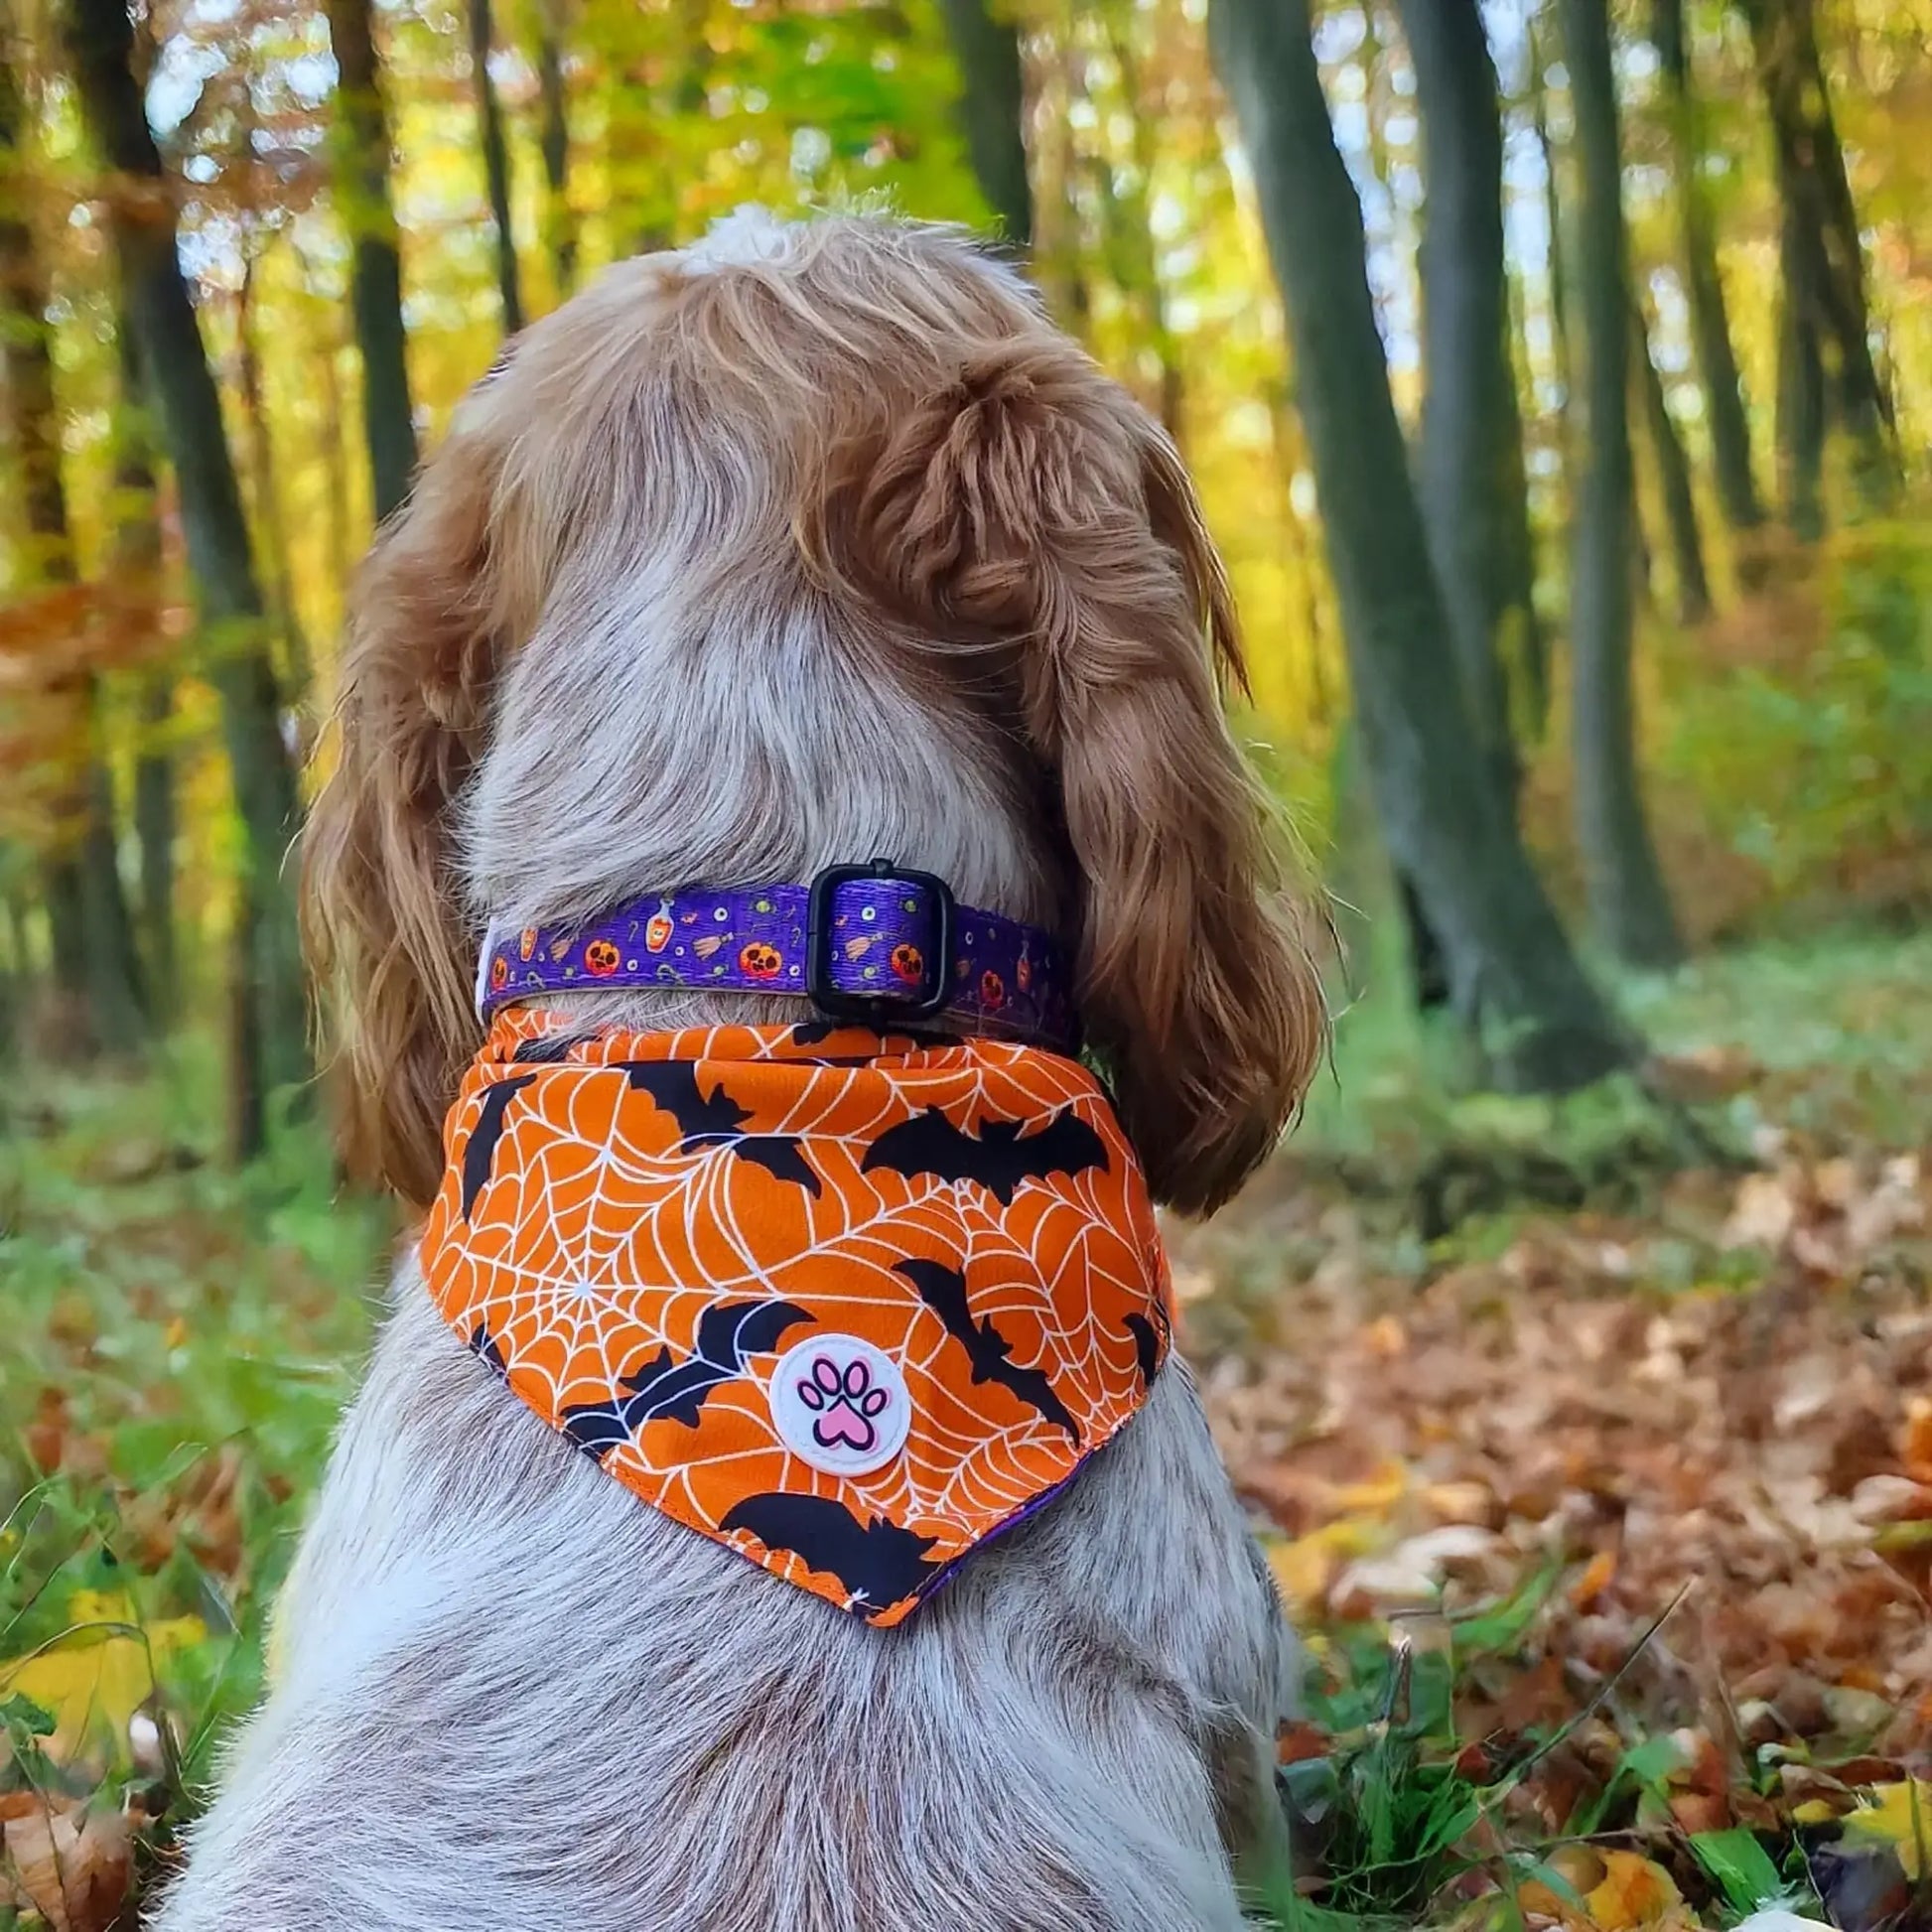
[[878, 1008]]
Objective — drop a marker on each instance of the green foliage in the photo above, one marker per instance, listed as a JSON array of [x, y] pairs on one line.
[[1805, 738], [1740, 1866], [181, 1341]]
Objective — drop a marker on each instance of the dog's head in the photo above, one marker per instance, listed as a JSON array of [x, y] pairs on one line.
[[808, 541]]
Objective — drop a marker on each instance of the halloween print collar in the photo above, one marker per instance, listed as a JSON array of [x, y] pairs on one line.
[[848, 1303]]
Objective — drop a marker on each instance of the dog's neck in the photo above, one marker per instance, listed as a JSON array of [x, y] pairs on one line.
[[629, 751]]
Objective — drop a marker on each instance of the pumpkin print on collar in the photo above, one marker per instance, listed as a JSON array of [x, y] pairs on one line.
[[846, 1303]]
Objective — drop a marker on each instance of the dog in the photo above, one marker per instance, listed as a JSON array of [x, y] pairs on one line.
[[807, 543]]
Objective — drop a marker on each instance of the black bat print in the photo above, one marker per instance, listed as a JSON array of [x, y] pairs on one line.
[[1147, 1346], [481, 1149], [714, 1119], [815, 1032], [483, 1343], [547, 1049], [996, 1157], [943, 1290], [877, 1561], [662, 1386]]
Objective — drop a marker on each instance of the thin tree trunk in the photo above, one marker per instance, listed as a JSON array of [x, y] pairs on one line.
[[1673, 477], [137, 563], [1628, 901], [1802, 407], [1530, 664], [1566, 363], [1286, 436], [496, 165], [263, 489], [1822, 258], [559, 223], [1469, 469], [1130, 234], [1057, 263], [359, 143], [113, 981], [992, 108], [334, 456], [86, 898], [176, 375], [1717, 360], [154, 834], [247, 1111], [1512, 976]]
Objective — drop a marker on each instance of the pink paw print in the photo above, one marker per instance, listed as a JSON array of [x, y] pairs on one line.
[[843, 1405]]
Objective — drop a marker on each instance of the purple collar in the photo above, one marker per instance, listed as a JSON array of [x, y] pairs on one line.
[[876, 943]]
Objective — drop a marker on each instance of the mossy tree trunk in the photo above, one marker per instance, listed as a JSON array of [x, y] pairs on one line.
[[1469, 473], [1673, 475], [1703, 289], [1630, 905], [559, 219], [1826, 368], [86, 902], [360, 151], [497, 165], [176, 376], [1513, 977], [992, 108]]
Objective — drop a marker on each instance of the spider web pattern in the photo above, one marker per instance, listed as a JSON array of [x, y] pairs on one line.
[[598, 1234]]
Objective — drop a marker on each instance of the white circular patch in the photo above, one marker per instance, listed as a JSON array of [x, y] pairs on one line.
[[840, 1404]]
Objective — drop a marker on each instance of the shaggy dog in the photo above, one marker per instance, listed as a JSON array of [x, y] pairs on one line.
[[808, 542]]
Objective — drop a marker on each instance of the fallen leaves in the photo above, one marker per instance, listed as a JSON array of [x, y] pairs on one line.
[[66, 1860], [1724, 1403], [1604, 1891]]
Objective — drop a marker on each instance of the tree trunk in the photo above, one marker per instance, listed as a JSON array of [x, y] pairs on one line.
[[85, 897], [264, 490], [176, 375], [1802, 406], [559, 223], [1545, 147], [1470, 465], [113, 979], [993, 108], [361, 146], [154, 835], [1673, 477], [1129, 238], [1628, 902], [1513, 979], [1826, 323], [137, 562], [1717, 360], [248, 1109], [496, 165]]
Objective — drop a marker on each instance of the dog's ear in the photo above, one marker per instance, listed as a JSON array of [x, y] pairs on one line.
[[382, 906], [1034, 508]]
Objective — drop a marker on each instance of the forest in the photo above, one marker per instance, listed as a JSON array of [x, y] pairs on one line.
[[1555, 378]]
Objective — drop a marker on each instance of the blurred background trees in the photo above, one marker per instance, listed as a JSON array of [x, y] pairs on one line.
[[1554, 373]]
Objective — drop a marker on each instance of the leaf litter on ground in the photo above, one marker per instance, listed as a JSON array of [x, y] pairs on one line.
[[1657, 1462]]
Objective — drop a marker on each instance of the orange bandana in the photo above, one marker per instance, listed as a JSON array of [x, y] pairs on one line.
[[843, 1303]]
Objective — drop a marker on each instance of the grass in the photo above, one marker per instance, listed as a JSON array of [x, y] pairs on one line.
[[178, 1341]]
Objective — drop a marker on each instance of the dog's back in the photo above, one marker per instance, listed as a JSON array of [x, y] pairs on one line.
[[512, 1697]]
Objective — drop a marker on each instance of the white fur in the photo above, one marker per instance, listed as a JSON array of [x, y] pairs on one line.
[[749, 233], [511, 1696]]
